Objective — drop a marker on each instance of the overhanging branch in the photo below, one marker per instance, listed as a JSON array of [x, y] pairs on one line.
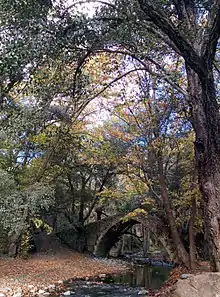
[[185, 48], [211, 34], [163, 75]]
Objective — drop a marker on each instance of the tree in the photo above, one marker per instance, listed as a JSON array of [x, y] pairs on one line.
[[45, 47], [190, 30], [151, 118], [160, 155]]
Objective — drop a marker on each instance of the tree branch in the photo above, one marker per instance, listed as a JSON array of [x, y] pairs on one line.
[[211, 34], [97, 197], [114, 81], [185, 48], [163, 75]]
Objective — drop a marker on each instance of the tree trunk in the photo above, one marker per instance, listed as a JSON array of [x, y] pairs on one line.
[[198, 48], [82, 201], [192, 246], [119, 249], [130, 242], [191, 230], [146, 239], [167, 247], [14, 245], [72, 194], [206, 123], [211, 208], [81, 209], [179, 247]]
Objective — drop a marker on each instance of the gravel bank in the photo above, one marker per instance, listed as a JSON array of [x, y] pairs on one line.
[[44, 272]]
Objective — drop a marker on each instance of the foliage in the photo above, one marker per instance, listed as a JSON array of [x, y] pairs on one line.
[[58, 66], [19, 206], [133, 214]]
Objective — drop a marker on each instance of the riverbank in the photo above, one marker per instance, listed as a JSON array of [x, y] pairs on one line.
[[46, 270]]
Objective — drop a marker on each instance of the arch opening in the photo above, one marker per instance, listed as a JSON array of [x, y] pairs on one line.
[[112, 236]]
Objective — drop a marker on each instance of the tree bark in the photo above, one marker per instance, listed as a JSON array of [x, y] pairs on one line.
[[206, 123], [165, 242], [192, 246], [72, 194], [179, 247], [191, 230], [14, 245]]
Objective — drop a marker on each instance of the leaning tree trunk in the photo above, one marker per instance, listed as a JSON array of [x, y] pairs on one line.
[[206, 123], [181, 252]]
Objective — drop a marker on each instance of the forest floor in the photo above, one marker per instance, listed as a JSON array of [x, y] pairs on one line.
[[43, 270]]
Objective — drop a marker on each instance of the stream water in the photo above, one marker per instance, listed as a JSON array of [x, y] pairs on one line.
[[135, 283]]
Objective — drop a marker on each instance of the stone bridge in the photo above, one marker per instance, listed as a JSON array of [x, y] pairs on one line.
[[104, 234]]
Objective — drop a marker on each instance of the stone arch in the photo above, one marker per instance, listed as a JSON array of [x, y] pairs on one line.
[[111, 235]]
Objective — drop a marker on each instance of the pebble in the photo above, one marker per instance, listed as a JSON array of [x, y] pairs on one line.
[[102, 275], [51, 288], [68, 293], [60, 282], [143, 292], [19, 290], [185, 276], [19, 294], [7, 290]]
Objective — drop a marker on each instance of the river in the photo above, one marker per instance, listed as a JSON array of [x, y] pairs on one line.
[[139, 281]]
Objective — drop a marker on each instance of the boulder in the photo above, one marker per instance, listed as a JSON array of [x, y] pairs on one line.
[[202, 285]]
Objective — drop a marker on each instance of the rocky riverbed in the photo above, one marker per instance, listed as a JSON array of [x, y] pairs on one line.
[[95, 289], [76, 289], [43, 273]]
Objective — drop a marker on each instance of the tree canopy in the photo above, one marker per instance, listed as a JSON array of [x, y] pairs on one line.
[[114, 110]]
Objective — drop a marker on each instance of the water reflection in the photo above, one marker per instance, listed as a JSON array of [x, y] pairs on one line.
[[142, 276]]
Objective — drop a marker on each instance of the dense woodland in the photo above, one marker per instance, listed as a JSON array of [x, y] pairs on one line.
[[111, 107]]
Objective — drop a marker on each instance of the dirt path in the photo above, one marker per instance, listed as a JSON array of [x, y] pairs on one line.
[[43, 269]]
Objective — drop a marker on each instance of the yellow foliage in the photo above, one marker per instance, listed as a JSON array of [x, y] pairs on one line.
[[133, 214]]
